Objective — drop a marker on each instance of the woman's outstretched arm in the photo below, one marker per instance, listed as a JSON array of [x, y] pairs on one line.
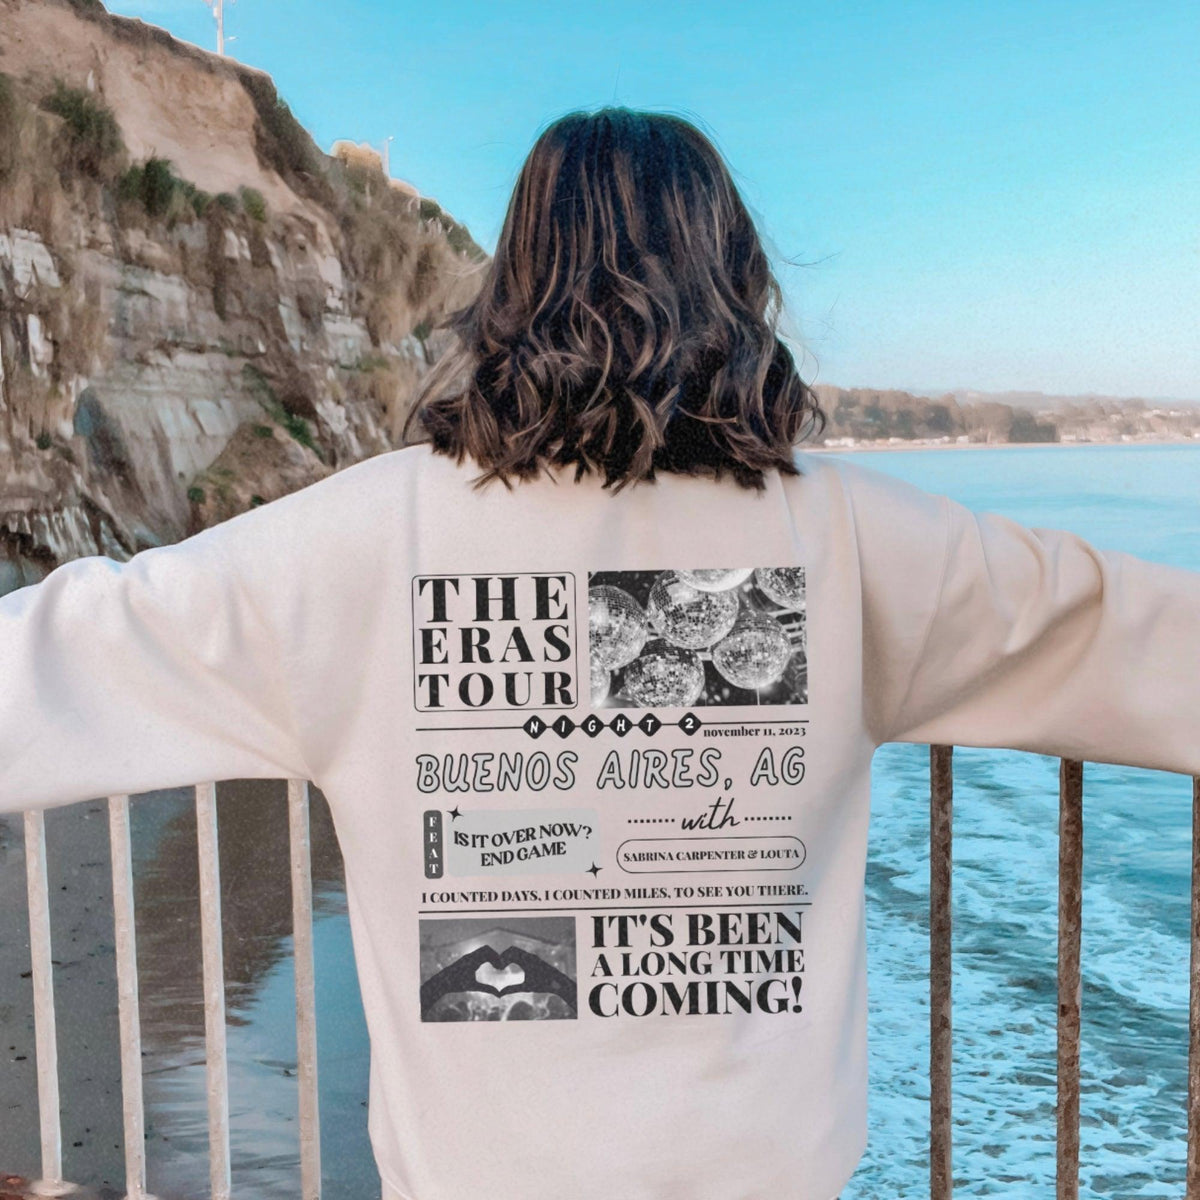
[[1035, 640], [163, 671]]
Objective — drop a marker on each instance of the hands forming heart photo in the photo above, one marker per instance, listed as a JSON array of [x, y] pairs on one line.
[[498, 973]]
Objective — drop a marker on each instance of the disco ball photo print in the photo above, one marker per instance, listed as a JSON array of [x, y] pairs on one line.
[[709, 636]]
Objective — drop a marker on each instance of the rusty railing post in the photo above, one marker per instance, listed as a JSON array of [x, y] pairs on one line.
[[1070, 911], [1193, 1088], [941, 791]]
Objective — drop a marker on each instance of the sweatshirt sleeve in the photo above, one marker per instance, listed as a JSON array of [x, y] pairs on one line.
[[1036, 640], [162, 671]]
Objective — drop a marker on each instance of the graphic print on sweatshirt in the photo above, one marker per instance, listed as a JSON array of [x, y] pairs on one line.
[[640, 855]]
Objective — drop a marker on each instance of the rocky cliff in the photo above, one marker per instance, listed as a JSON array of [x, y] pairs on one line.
[[199, 310]]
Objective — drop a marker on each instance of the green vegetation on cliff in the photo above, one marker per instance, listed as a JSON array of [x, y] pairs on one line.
[[91, 139]]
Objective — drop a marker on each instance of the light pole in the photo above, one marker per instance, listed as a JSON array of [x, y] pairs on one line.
[[387, 155], [218, 12]]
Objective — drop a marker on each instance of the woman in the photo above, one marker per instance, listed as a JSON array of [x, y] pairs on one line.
[[591, 679]]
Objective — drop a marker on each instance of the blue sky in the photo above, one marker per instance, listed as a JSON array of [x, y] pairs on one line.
[[995, 196]]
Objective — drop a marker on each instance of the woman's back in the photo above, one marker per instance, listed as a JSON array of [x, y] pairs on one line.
[[624, 803]]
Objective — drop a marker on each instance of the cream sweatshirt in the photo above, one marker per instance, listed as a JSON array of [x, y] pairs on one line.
[[600, 764]]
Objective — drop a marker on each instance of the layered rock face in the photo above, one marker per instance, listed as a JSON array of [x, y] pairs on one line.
[[199, 311]]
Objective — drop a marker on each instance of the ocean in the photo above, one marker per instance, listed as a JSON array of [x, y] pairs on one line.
[[1142, 499]]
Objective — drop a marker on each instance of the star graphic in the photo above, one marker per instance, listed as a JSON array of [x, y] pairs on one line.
[[594, 870], [455, 813]]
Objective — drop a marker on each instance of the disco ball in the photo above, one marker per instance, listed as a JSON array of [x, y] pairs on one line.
[[687, 616], [601, 683], [717, 579], [663, 675], [617, 627], [755, 652], [784, 585]]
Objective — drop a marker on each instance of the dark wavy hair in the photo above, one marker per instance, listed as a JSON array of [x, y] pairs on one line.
[[627, 322]]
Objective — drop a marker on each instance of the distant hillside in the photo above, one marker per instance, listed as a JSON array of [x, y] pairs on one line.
[[866, 416], [1045, 402]]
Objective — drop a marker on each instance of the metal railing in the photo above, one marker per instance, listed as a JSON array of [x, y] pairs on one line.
[[1070, 896], [216, 1070], [1070, 879]]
